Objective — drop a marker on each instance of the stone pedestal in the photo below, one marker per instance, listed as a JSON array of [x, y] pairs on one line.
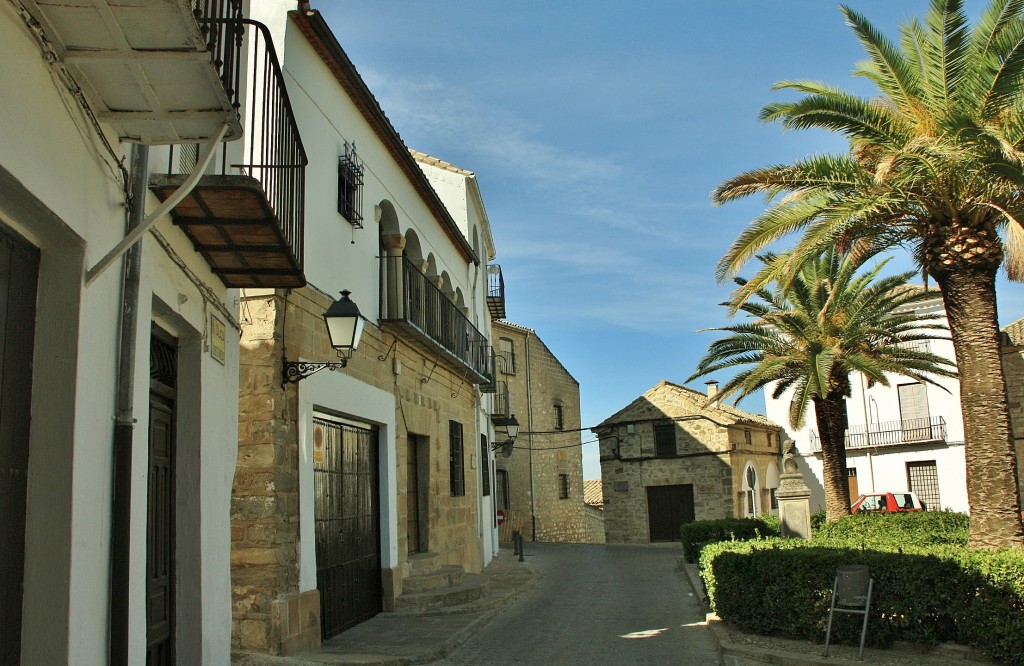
[[794, 497]]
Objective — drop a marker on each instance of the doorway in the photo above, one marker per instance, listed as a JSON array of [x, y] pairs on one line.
[[668, 507], [161, 497], [416, 496], [19, 274], [346, 506]]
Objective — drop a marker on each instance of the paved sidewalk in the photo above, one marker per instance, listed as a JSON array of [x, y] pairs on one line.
[[396, 639]]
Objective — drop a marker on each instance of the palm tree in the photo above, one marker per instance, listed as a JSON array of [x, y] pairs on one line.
[[936, 165], [811, 333]]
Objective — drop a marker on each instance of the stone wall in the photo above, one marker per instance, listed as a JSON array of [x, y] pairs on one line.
[[1013, 369], [269, 611], [547, 453]]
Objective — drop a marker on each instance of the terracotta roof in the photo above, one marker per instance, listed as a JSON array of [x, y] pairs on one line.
[[439, 163], [676, 401], [593, 492]]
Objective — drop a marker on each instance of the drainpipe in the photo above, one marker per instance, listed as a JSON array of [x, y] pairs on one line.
[[529, 438], [124, 423]]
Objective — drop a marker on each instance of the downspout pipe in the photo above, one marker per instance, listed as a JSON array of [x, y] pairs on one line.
[[529, 439], [124, 422]]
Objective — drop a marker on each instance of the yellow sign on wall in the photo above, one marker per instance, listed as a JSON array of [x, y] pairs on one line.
[[218, 344], [318, 444]]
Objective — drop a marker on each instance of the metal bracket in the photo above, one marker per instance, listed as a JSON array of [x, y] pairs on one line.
[[293, 372]]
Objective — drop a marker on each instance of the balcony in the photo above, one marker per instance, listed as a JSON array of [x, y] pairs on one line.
[[157, 71], [501, 407], [245, 215], [495, 292], [890, 433], [410, 302]]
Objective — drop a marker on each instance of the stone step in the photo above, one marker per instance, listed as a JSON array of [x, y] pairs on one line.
[[445, 576], [471, 588], [423, 563]]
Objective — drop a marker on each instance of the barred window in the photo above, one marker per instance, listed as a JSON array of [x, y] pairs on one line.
[[559, 417], [456, 459], [665, 440], [485, 468], [350, 186], [563, 486]]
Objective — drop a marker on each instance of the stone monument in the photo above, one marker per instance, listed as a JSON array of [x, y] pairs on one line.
[[794, 496]]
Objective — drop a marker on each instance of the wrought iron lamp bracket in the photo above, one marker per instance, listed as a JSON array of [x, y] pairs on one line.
[[293, 372]]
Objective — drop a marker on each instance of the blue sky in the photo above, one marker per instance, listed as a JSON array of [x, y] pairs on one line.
[[597, 131]]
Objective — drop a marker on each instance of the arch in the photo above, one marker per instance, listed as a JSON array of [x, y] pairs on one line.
[[459, 298], [388, 219], [751, 485], [413, 250], [771, 476], [446, 285], [431, 266]]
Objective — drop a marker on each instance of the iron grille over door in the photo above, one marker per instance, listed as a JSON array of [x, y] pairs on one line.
[[19, 270], [347, 518], [923, 481]]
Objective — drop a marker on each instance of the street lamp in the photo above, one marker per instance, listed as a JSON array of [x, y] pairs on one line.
[[344, 328], [511, 427]]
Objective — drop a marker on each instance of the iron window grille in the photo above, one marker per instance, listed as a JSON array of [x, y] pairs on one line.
[[665, 440], [456, 459], [485, 468], [350, 186], [559, 418], [563, 486]]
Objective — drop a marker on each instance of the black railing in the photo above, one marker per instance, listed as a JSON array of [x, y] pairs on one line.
[[500, 405], [495, 292], [221, 24], [887, 433], [272, 152], [425, 309]]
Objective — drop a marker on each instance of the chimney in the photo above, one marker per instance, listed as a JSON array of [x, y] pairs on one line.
[[712, 387]]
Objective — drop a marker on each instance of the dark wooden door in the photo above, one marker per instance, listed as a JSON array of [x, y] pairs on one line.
[[160, 561], [412, 495], [668, 507], [347, 517], [19, 271]]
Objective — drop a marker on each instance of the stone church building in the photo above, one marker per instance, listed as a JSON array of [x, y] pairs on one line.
[[670, 458]]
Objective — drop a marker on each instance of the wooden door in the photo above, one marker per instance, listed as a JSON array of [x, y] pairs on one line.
[[347, 518], [668, 507], [19, 271], [160, 528]]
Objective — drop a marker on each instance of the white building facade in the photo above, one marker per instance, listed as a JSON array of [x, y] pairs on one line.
[[119, 405], [905, 436]]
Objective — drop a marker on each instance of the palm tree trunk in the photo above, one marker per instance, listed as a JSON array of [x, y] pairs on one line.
[[992, 491], [830, 413]]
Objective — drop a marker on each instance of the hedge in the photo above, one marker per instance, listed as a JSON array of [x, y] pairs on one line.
[[698, 534], [929, 588]]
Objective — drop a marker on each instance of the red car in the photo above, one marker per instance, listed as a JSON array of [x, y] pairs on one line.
[[887, 503]]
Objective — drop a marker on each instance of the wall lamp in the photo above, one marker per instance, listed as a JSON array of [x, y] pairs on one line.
[[344, 328], [511, 427]]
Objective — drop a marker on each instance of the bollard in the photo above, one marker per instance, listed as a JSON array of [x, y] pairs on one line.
[[521, 548], [515, 542]]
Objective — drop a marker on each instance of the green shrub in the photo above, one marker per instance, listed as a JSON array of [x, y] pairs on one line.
[[891, 531], [698, 534], [924, 594]]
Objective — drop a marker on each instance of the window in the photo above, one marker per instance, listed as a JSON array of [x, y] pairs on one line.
[[485, 468], [748, 437], [851, 480], [769, 435], [773, 499], [665, 440], [923, 480], [501, 489], [506, 356], [563, 486], [350, 186], [559, 418], [751, 488], [456, 459]]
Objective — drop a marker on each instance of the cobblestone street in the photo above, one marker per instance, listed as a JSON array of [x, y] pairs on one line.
[[597, 604]]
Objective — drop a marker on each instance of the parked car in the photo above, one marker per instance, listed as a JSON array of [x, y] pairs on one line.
[[887, 503]]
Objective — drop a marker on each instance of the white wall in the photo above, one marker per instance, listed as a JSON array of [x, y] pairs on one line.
[[62, 191]]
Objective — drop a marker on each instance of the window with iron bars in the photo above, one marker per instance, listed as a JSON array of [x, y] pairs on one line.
[[350, 186], [485, 468], [559, 417], [456, 459], [563, 486]]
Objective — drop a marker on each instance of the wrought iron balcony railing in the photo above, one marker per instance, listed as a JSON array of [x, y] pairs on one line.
[[495, 292], [500, 404], [246, 215], [411, 301], [888, 433]]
